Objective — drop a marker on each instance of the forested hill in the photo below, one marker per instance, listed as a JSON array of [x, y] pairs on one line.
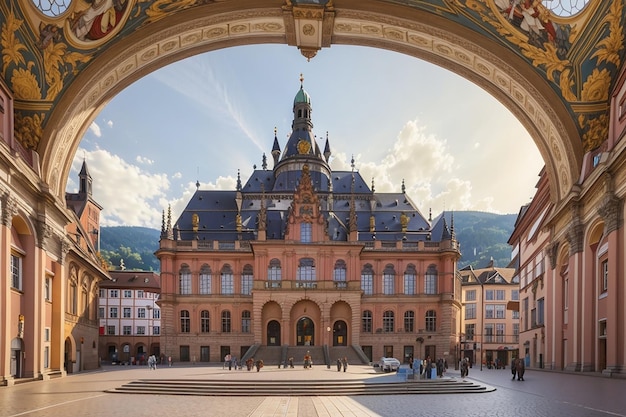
[[482, 236]]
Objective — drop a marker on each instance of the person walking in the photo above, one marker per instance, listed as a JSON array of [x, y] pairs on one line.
[[344, 362], [520, 367], [513, 368], [339, 364]]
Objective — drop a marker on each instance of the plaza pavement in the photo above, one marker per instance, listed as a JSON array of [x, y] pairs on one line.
[[542, 393]]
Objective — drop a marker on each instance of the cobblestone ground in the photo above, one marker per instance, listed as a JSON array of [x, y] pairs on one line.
[[541, 394]]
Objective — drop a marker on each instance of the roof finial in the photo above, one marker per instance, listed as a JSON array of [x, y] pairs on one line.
[[352, 162], [301, 80], [264, 163], [238, 181], [403, 187], [373, 189]]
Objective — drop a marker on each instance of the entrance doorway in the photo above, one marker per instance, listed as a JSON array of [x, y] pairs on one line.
[[340, 333], [273, 333], [305, 332], [16, 358]]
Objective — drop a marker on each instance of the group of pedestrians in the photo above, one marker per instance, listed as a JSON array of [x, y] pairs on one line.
[[342, 364], [517, 368]]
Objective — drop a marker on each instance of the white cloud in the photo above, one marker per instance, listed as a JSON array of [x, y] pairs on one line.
[[128, 195], [177, 175], [110, 123], [143, 160], [95, 129]]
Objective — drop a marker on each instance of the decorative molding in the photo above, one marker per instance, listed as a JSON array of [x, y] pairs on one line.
[[9, 209]]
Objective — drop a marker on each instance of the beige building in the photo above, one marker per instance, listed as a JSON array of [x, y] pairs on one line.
[[130, 317], [300, 258], [490, 330]]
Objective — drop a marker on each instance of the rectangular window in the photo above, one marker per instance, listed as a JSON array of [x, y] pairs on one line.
[[306, 232], [488, 333], [540, 303], [604, 270], [500, 295], [246, 284], [500, 328], [126, 312], [489, 295], [515, 333], [185, 282], [228, 286], [246, 324], [367, 283], [515, 295], [141, 330], [470, 311], [156, 330], [113, 312], [141, 313], [525, 312], [113, 293], [111, 330], [156, 313], [103, 293], [101, 312], [127, 330], [470, 331], [409, 284], [366, 322], [388, 283], [128, 294], [16, 272], [205, 283], [489, 311], [470, 295], [500, 311], [47, 289], [46, 334], [140, 294]]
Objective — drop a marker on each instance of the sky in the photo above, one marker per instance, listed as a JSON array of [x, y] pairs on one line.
[[205, 118]]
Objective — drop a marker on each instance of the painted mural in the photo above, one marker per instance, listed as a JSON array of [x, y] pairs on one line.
[[43, 51]]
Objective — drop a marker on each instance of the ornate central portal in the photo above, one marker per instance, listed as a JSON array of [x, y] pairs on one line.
[[305, 332]]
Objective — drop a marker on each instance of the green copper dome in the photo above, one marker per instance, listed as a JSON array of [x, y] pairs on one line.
[[302, 97]]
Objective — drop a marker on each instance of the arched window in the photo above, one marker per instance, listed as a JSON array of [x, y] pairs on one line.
[[388, 321], [431, 321], [84, 298], [389, 280], [247, 279], [366, 322], [409, 321], [430, 283], [205, 322], [339, 274], [246, 321], [367, 279], [205, 279], [185, 321], [274, 272], [306, 270], [225, 321], [73, 293], [410, 277], [228, 286], [184, 279]]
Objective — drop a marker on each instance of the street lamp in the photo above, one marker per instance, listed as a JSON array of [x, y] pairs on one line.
[[149, 308], [482, 322], [329, 345]]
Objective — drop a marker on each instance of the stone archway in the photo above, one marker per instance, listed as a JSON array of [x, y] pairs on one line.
[[448, 44]]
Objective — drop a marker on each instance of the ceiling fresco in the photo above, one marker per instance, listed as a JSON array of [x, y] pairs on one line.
[[45, 44]]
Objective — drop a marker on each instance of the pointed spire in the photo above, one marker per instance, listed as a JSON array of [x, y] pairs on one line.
[[163, 224], [197, 184], [452, 225], [238, 181], [275, 148], [264, 163], [430, 214], [327, 152], [373, 188], [168, 227], [352, 163], [403, 187], [85, 180]]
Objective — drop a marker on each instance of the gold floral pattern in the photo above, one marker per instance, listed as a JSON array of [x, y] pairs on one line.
[[29, 130]]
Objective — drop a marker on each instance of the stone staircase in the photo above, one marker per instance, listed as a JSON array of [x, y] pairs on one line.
[[298, 388]]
